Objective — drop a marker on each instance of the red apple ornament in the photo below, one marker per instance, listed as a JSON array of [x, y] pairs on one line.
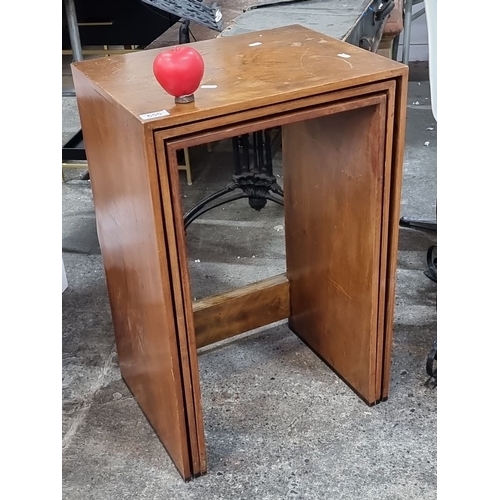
[[179, 71]]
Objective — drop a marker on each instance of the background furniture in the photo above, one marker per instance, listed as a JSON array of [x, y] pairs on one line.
[[409, 17], [103, 23], [389, 42], [114, 22], [343, 141]]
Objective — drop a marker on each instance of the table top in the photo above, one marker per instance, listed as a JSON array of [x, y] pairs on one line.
[[244, 72]]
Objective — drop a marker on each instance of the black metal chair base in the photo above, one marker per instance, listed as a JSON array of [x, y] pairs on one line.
[[427, 224], [431, 366], [431, 271], [201, 208], [253, 176]]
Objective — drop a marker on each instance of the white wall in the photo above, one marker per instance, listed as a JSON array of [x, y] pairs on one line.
[[419, 50]]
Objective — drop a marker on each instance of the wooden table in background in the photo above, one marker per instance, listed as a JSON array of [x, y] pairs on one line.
[[342, 114]]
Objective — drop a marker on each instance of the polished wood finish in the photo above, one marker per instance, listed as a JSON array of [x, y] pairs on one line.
[[176, 243], [342, 113], [397, 147], [333, 217], [131, 235], [223, 316], [290, 63]]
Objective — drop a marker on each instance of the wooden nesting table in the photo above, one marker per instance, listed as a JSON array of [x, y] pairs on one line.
[[341, 110]]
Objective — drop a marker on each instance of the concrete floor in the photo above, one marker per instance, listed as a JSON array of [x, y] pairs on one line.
[[279, 424]]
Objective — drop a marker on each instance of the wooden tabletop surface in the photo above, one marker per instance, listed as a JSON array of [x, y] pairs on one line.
[[245, 72]]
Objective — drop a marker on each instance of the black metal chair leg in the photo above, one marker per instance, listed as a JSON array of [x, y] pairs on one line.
[[254, 178], [431, 271], [431, 366], [202, 210], [197, 209], [428, 224], [276, 200]]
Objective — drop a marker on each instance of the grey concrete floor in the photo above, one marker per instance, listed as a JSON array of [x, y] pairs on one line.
[[279, 424]]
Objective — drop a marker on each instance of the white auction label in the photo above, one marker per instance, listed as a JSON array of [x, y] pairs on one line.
[[154, 114]]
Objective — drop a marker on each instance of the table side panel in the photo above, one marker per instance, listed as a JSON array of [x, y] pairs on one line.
[[333, 174], [131, 236], [398, 148], [168, 172], [384, 236]]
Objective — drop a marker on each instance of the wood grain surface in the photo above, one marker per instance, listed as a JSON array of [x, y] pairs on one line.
[[222, 316], [288, 63], [132, 240], [333, 173], [342, 113]]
